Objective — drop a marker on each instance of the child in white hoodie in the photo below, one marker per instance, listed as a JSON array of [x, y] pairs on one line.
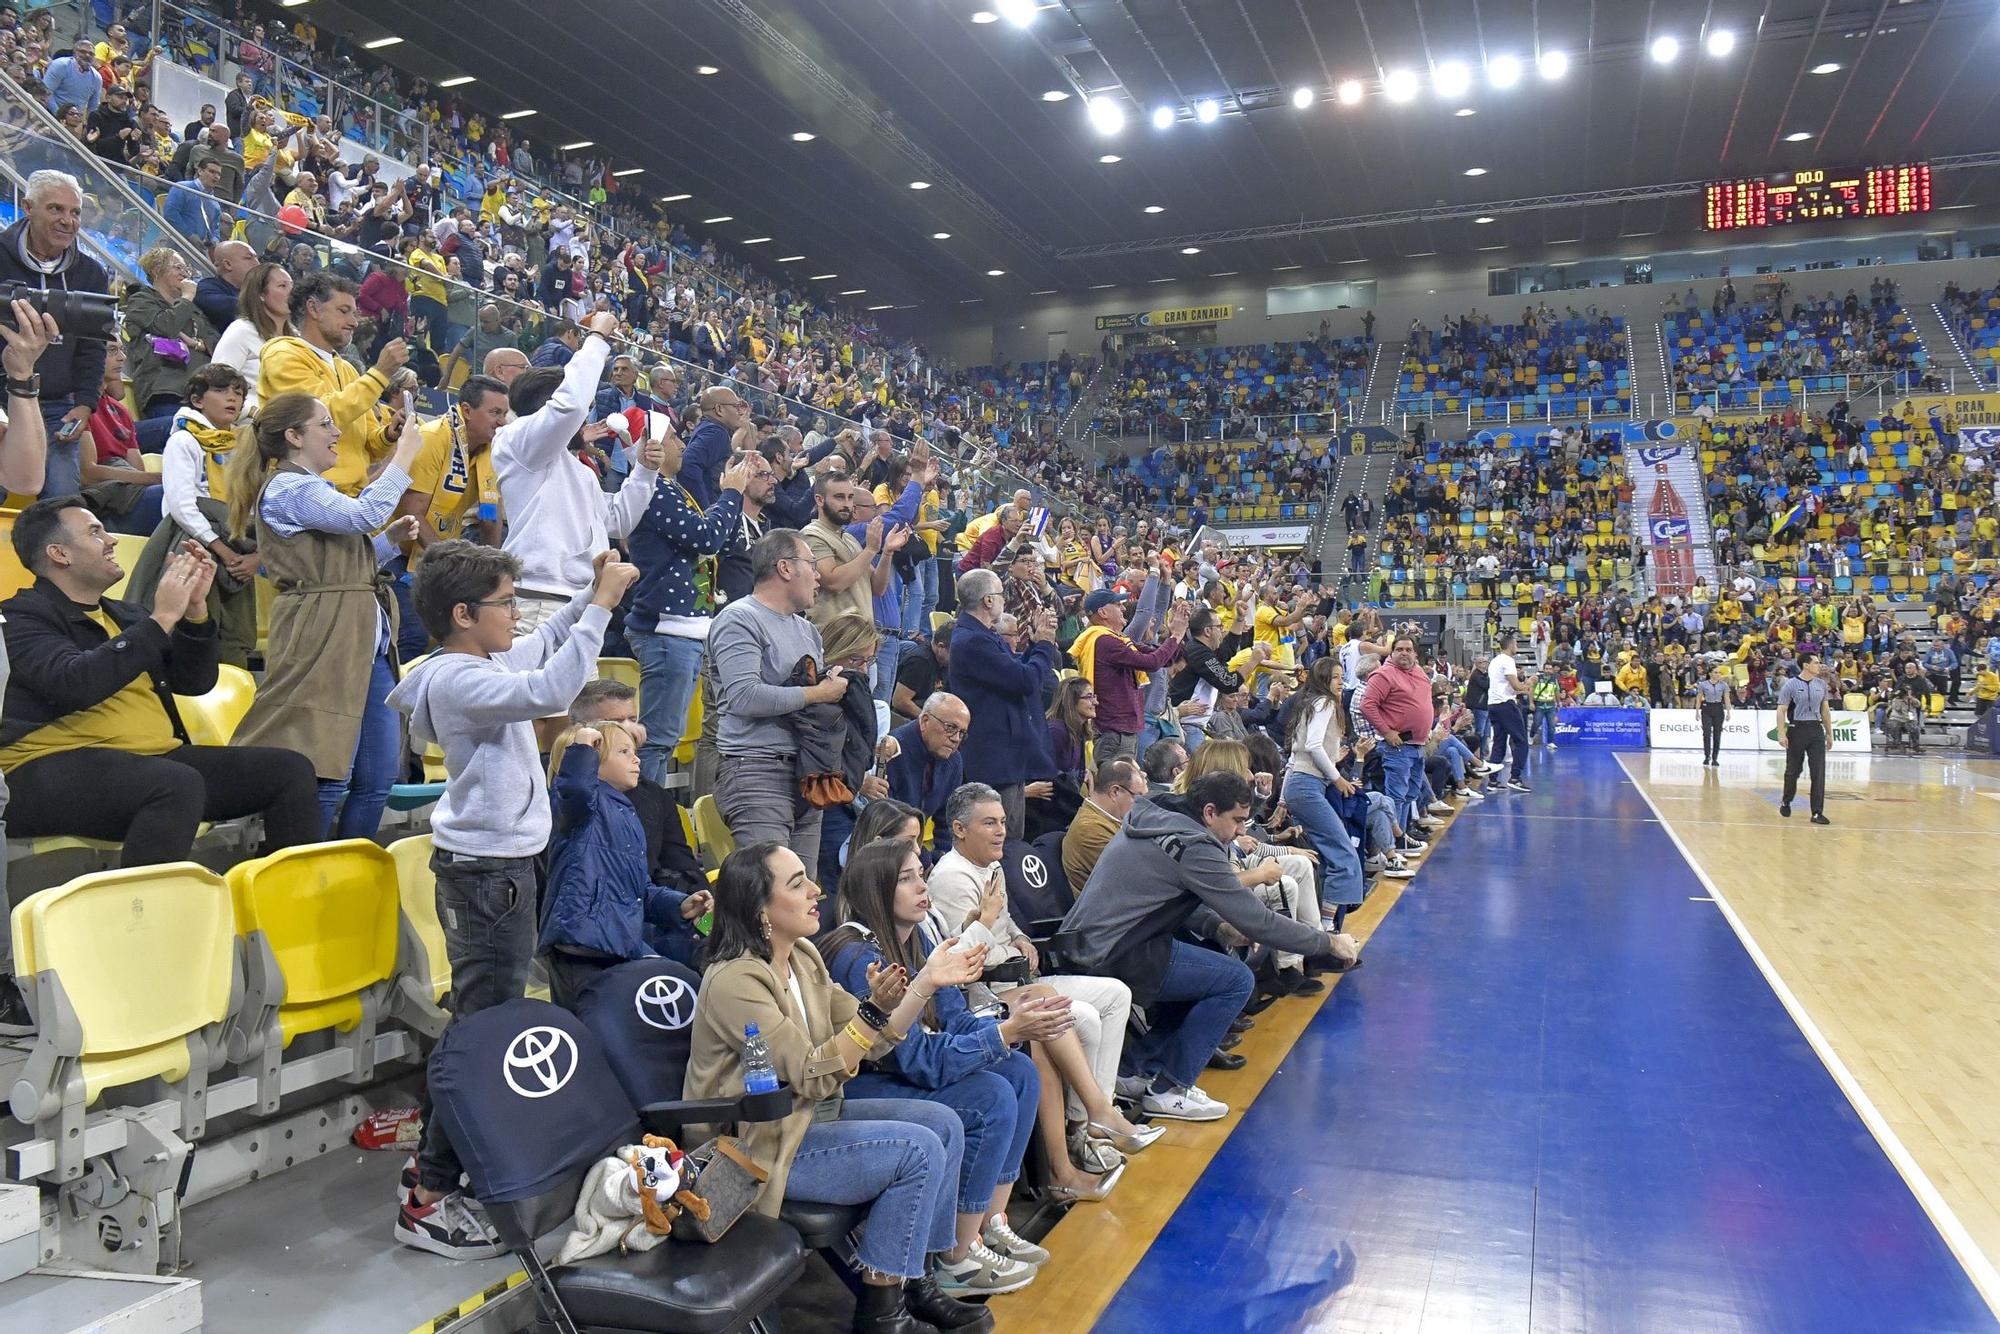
[[478, 698]]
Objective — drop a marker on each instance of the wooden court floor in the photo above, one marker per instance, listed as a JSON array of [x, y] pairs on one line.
[[1885, 928]]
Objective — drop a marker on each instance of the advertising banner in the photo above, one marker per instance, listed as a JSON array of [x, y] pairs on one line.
[[1283, 535], [1164, 319], [1602, 727], [1680, 729]]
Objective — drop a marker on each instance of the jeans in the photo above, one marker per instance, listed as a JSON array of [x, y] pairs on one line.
[[1545, 722], [153, 804], [1115, 745], [1402, 774], [920, 598], [669, 665], [898, 1156], [997, 1108], [1199, 994], [62, 475], [144, 516], [759, 799], [486, 906], [1339, 868], [1482, 727], [1458, 755], [1381, 826], [1508, 727], [411, 637], [888, 657], [378, 755]]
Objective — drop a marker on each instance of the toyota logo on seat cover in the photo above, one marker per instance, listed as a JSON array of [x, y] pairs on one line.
[[664, 1001], [1032, 871], [539, 1061]]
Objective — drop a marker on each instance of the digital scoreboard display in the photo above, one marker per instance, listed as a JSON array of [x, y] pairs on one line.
[[1817, 196]]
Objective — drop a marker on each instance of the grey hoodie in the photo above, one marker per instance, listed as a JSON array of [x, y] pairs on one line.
[[482, 711], [1162, 872]]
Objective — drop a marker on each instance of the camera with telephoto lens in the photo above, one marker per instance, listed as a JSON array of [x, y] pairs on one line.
[[77, 314]]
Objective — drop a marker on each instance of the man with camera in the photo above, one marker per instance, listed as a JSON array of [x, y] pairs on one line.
[[40, 260]]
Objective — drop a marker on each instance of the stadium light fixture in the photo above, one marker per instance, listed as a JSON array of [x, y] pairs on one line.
[[1482, 220], [821, 277], [522, 114], [628, 171], [1465, 111], [803, 136], [706, 70], [1475, 171], [1664, 48], [940, 236], [1106, 114], [674, 199], [996, 273], [1400, 85], [984, 16], [1349, 92], [581, 143], [1020, 13], [457, 81], [1108, 158], [1302, 98], [1155, 208], [756, 240], [1552, 64], [920, 185], [854, 291], [1720, 42], [1503, 71], [1190, 250], [380, 42], [1055, 95], [1207, 110], [1827, 67], [790, 259], [716, 222], [1798, 136], [1451, 78]]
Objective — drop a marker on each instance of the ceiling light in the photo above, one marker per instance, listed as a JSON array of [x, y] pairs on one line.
[[1720, 42], [790, 259], [581, 143], [674, 199], [1482, 220], [984, 16], [1049, 292], [457, 81], [1190, 250], [1226, 273], [884, 306], [821, 277], [1664, 49], [381, 42], [1155, 208], [706, 69], [1475, 171], [1464, 111], [803, 136], [996, 273], [1159, 280], [1287, 268], [1207, 110], [1798, 136], [1101, 287], [920, 185], [1302, 98], [1107, 114], [1503, 71], [975, 300], [1553, 64], [940, 236], [1109, 158], [1451, 79], [517, 115], [1020, 13], [1163, 118], [1400, 85], [1349, 92], [1055, 95], [1829, 67], [854, 291], [756, 240], [628, 171], [290, 4], [711, 222]]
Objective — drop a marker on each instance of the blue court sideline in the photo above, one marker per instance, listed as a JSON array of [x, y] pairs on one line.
[[1559, 1097]]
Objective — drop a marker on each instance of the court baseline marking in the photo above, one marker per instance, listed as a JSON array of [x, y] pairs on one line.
[[1975, 1261]]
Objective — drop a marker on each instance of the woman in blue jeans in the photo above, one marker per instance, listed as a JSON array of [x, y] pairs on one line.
[[895, 1156], [1316, 745], [954, 1056]]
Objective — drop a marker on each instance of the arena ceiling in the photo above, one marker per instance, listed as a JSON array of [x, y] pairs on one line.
[[898, 91]]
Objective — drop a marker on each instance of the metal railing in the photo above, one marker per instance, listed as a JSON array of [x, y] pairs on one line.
[[1216, 428]]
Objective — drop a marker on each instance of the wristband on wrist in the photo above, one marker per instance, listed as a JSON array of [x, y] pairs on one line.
[[855, 1034], [31, 387], [869, 1013]]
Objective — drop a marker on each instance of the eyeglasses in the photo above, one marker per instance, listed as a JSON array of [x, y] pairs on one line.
[[513, 605], [951, 730]]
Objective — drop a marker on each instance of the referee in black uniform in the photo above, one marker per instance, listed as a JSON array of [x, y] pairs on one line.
[[1805, 717]]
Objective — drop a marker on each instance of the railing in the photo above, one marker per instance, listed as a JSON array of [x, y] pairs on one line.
[[1805, 571], [1217, 428]]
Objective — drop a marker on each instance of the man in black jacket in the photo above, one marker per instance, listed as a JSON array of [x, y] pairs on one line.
[[1205, 667], [91, 742], [40, 251]]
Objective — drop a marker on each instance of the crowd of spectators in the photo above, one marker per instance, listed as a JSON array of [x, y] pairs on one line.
[[1737, 354], [1172, 392], [1975, 316], [1541, 365]]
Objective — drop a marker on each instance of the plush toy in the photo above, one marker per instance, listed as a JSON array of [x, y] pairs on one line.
[[630, 1201]]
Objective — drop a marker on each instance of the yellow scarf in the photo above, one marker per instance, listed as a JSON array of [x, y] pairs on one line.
[[1084, 650], [216, 443]]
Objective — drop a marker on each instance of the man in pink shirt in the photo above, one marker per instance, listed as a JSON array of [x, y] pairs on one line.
[[1397, 704]]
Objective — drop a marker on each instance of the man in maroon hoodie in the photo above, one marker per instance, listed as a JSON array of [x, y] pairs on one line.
[[1112, 664], [1397, 703]]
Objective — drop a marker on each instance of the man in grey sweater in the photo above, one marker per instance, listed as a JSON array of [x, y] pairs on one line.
[[1166, 870], [754, 646]]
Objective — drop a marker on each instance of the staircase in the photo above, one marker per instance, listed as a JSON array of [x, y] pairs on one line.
[[1367, 475], [1384, 361], [1084, 410], [1935, 331], [1652, 374]]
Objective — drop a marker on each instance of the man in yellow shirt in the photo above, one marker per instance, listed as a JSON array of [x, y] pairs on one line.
[[454, 491], [323, 309]]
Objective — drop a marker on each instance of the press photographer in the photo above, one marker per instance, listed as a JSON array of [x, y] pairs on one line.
[[40, 254]]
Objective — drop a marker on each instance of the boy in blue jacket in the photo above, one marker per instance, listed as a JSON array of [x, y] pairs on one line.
[[601, 906]]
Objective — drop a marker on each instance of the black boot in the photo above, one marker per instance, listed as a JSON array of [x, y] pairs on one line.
[[881, 1310], [927, 1301]]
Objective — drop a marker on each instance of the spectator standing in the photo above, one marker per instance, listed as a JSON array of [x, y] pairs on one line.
[[928, 766], [723, 414], [1506, 689], [330, 661], [1117, 668], [220, 294], [166, 338], [73, 80], [325, 314], [263, 312], [41, 251], [1316, 747], [1008, 741], [191, 207], [1396, 702]]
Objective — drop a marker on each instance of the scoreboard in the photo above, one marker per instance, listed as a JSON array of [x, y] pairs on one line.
[[1817, 195]]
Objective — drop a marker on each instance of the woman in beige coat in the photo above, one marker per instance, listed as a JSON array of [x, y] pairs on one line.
[[897, 1156]]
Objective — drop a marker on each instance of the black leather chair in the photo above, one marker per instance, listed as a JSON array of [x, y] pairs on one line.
[[640, 1011], [529, 1100]]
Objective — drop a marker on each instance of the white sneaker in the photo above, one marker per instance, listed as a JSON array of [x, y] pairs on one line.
[[1399, 870], [1415, 845], [447, 1226], [1189, 1104], [1484, 768], [1474, 794], [1441, 808], [1001, 1238], [982, 1273]]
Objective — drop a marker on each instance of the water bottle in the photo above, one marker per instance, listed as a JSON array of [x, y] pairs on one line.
[[759, 1076]]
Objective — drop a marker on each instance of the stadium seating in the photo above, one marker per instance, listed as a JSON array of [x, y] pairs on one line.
[[424, 962], [1753, 356], [1467, 368], [1202, 386], [1976, 318], [1234, 482]]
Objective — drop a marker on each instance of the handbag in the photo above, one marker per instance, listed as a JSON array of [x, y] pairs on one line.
[[170, 351], [723, 1175]]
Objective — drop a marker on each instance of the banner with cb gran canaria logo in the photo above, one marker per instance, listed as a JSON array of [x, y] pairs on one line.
[[1164, 319]]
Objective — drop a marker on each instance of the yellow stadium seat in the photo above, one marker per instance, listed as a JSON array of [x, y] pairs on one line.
[[319, 925], [691, 730], [130, 547], [424, 967], [132, 976], [14, 576], [624, 670], [716, 840], [212, 719]]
